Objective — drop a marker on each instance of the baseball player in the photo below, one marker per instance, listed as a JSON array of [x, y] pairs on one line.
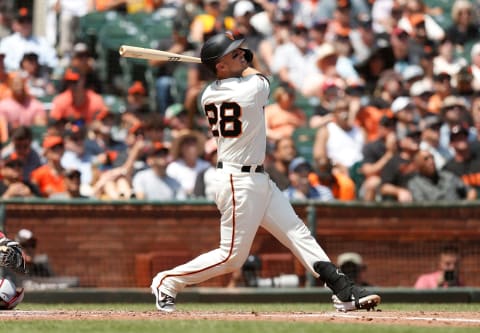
[[245, 196], [11, 254]]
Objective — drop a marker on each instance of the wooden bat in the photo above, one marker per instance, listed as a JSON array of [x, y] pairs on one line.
[[152, 54]]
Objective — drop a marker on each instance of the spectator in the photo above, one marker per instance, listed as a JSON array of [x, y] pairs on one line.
[[431, 141], [294, 60], [22, 146], [153, 183], [464, 27], [466, 161], [430, 184], [211, 21], [187, 163], [400, 168], [137, 103], [415, 13], [351, 264], [399, 40], [474, 67], [340, 141], [421, 92], [206, 179], [77, 101], [50, 178], [73, 184], [342, 186], [37, 79], [447, 274], [22, 108], [454, 111], [282, 117], [85, 65], [300, 187], [328, 93], [12, 184], [284, 152], [447, 61], [376, 155], [176, 121], [4, 78], [22, 40], [410, 75], [442, 86]]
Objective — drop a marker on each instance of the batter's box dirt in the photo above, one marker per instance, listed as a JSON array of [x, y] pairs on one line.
[[418, 318]]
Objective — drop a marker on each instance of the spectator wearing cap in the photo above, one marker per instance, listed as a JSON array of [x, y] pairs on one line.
[[466, 160], [22, 108], [50, 177], [399, 40], [23, 147], [85, 65], [294, 60], [243, 11], [283, 152], [412, 74], [442, 87], [421, 92], [431, 126], [300, 187], [77, 101], [389, 86], [205, 183], [405, 114], [187, 159], [431, 184], [352, 265], [282, 117], [376, 155], [12, 184], [455, 111], [37, 79], [464, 27], [342, 186], [73, 184], [137, 100], [400, 168], [341, 140], [153, 183], [22, 40]]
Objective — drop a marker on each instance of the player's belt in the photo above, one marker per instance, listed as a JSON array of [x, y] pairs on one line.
[[241, 168]]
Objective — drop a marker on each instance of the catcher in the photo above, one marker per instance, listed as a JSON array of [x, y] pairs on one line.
[[11, 255]]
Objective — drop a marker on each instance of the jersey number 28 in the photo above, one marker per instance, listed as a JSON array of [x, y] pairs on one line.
[[224, 120]]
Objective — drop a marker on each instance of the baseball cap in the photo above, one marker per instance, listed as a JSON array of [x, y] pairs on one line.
[[137, 88], [71, 75], [158, 149], [421, 87], [23, 15], [344, 4], [452, 100], [217, 47], [72, 173], [80, 48], [242, 8], [52, 141], [417, 19], [350, 257], [25, 236], [400, 103], [299, 164], [412, 72], [325, 50], [458, 130]]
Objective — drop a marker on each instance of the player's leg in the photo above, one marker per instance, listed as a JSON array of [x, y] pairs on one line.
[[283, 223], [241, 203]]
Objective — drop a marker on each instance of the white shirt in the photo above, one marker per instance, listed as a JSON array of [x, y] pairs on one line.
[[155, 187], [185, 175], [15, 46], [344, 147], [237, 118]]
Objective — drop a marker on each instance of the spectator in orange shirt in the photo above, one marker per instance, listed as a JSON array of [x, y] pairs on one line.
[[50, 177], [77, 101], [341, 185], [283, 116]]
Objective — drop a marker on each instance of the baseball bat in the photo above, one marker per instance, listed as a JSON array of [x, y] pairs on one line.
[[129, 51]]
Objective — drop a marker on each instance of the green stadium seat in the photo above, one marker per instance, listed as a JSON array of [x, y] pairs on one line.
[[304, 138], [90, 25], [115, 104]]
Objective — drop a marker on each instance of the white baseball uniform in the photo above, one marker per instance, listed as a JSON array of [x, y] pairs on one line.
[[246, 196]]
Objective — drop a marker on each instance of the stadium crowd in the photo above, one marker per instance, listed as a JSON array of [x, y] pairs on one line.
[[371, 100]]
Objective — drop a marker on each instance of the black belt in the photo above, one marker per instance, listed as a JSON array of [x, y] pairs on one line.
[[245, 168]]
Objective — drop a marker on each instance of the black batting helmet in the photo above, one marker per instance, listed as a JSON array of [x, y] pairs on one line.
[[218, 46]]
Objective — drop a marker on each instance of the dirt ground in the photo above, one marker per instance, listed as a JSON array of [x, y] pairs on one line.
[[418, 318]]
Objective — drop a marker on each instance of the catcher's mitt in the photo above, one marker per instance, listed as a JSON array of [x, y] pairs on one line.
[[11, 255]]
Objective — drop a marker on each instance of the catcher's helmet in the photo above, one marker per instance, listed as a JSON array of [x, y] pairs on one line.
[[218, 46], [10, 295]]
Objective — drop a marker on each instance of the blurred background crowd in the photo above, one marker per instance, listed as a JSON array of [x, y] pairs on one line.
[[371, 100]]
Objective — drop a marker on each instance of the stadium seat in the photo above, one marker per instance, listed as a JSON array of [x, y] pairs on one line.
[[115, 104], [304, 138], [90, 25]]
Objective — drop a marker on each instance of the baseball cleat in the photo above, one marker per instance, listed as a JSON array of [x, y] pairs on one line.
[[163, 302], [364, 303]]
